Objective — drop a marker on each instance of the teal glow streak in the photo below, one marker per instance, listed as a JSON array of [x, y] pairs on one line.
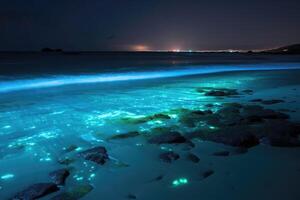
[[212, 127], [6, 127], [180, 181], [47, 159], [7, 176]]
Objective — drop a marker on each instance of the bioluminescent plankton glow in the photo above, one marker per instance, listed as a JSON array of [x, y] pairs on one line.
[[7, 176], [140, 136], [180, 181]]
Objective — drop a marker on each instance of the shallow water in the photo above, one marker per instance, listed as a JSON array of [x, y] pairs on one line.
[[37, 125]]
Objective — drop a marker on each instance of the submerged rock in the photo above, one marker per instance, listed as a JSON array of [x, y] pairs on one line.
[[193, 158], [59, 176], [273, 101], [131, 196], [207, 173], [124, 135], [140, 120], [97, 154], [217, 92], [66, 161], [70, 148], [248, 91], [169, 156], [268, 102], [167, 138], [281, 133], [239, 150], [36, 191], [191, 118], [75, 193], [221, 153]]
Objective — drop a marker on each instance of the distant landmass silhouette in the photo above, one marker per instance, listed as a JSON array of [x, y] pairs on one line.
[[291, 49]]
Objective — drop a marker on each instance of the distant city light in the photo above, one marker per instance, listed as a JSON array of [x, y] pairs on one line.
[[140, 47], [176, 50]]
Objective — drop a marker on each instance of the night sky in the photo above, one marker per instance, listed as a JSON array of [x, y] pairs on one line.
[[148, 24]]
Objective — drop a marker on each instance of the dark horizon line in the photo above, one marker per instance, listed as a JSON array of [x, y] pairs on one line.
[[62, 51]]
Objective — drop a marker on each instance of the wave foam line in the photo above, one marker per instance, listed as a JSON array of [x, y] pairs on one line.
[[55, 81]]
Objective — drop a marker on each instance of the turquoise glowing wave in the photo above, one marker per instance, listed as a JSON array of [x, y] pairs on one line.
[[60, 80]]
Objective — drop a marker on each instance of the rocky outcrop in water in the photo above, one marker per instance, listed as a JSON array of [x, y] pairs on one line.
[[36, 191], [167, 138], [59, 176], [169, 156], [74, 193], [97, 154]]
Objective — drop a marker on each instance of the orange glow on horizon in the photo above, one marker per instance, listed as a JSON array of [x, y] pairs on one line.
[[140, 47]]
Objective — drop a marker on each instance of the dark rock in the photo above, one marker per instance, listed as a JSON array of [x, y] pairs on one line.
[[70, 148], [221, 153], [97, 154], [238, 136], [158, 178], [36, 191], [66, 161], [167, 138], [286, 110], [188, 145], [59, 176], [140, 120], [256, 100], [49, 50], [160, 116], [240, 150], [281, 133], [124, 135], [75, 193], [217, 92], [169, 156], [191, 118], [131, 196], [207, 173], [274, 101], [259, 111], [253, 119], [248, 91], [192, 157]]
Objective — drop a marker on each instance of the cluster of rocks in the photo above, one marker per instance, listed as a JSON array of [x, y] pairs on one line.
[[39, 190], [58, 178], [232, 124]]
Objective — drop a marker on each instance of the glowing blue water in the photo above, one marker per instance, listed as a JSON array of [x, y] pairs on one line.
[[36, 126], [54, 81]]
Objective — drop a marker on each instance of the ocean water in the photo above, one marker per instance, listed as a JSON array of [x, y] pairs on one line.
[[49, 103]]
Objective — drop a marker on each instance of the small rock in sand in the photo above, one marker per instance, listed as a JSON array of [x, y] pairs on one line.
[[75, 193], [207, 173], [124, 135], [36, 191], [273, 101], [131, 196], [193, 158], [221, 153], [59, 176], [167, 138], [97, 154], [169, 156]]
